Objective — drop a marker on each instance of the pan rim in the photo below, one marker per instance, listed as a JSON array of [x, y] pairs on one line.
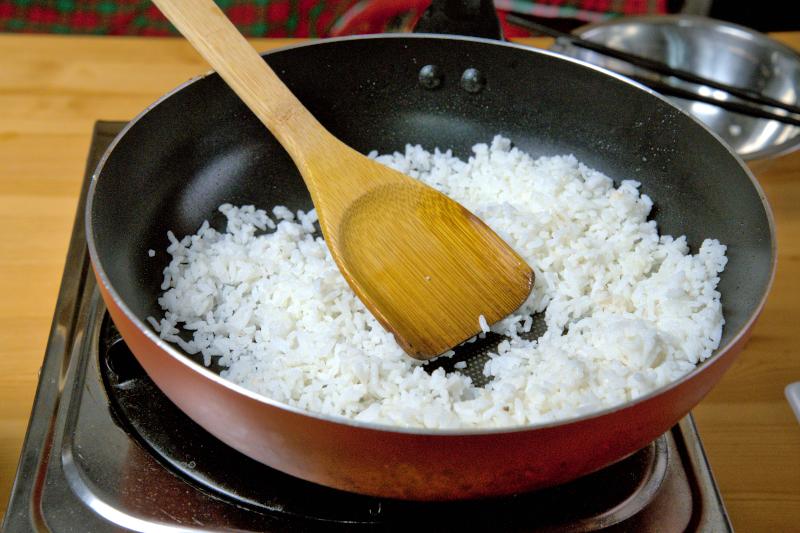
[[704, 23], [182, 358]]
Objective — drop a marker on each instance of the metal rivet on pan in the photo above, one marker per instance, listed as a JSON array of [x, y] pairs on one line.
[[430, 76], [473, 80]]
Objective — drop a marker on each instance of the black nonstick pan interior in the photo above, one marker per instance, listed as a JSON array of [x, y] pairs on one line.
[[200, 147]]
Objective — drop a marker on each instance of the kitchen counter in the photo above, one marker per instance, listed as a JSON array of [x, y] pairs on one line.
[[53, 88]]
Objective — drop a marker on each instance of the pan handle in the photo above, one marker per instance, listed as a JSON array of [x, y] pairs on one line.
[[474, 18]]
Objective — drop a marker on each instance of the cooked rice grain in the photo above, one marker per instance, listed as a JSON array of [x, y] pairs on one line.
[[626, 310]]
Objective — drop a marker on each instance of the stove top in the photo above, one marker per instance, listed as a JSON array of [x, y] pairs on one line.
[[107, 451]]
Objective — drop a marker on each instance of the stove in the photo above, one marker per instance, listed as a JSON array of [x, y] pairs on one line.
[[107, 451]]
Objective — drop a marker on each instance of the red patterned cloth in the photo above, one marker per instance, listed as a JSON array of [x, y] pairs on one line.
[[282, 18], [374, 16], [255, 18]]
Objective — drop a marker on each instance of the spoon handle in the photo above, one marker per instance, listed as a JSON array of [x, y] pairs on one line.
[[207, 28]]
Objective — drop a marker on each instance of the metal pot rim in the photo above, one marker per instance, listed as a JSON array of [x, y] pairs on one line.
[[706, 24]]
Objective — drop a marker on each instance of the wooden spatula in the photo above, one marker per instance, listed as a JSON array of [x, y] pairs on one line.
[[424, 266]]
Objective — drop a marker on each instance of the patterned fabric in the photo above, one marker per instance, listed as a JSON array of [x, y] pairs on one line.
[[254, 18], [277, 18], [586, 10], [374, 16]]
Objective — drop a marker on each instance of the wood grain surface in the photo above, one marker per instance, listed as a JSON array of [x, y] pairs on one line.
[[53, 88]]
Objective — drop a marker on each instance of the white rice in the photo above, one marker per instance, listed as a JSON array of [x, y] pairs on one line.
[[626, 311], [483, 324]]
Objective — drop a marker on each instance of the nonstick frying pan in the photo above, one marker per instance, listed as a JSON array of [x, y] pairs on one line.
[[199, 147]]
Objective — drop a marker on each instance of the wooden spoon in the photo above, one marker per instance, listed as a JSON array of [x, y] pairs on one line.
[[424, 266]]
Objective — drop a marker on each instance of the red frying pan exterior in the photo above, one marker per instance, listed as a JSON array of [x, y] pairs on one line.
[[419, 464], [407, 464]]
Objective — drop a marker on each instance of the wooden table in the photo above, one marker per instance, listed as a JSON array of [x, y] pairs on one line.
[[53, 88]]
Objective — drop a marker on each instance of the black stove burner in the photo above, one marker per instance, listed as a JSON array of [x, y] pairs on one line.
[[178, 442]]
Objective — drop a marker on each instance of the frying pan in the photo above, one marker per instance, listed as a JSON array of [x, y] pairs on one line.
[[199, 147]]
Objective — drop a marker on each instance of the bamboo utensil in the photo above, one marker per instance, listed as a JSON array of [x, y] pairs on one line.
[[425, 267]]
